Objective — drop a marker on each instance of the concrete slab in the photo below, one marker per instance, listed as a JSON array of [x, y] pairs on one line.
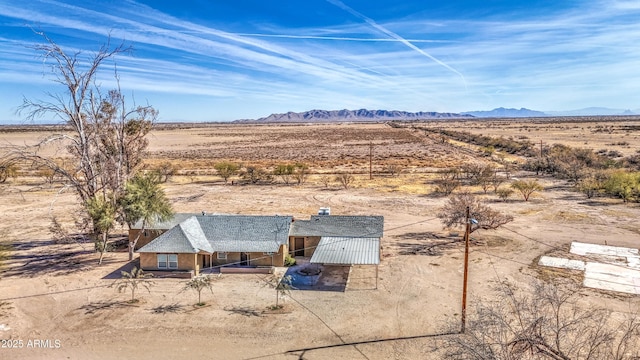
[[561, 263], [612, 277]]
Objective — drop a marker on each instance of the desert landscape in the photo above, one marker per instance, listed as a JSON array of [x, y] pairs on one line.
[[55, 297]]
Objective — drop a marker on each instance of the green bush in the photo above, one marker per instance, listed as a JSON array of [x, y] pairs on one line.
[[289, 261]]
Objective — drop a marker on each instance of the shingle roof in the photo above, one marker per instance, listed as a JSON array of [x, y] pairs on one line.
[[339, 250], [247, 233], [186, 237], [165, 225], [223, 233], [339, 225]]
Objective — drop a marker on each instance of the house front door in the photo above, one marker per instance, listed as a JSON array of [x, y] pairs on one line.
[[298, 246], [244, 259]]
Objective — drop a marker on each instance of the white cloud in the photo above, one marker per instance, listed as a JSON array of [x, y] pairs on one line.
[[405, 64]]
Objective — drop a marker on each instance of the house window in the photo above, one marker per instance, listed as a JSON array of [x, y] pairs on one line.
[[268, 253], [222, 256], [173, 261], [167, 261]]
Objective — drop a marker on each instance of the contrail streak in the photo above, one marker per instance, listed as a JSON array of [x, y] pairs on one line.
[[339, 38], [399, 38]]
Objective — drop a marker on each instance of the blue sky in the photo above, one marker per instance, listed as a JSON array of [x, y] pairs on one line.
[[226, 60]]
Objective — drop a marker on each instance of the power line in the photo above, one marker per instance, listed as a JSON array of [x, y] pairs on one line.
[[347, 238]]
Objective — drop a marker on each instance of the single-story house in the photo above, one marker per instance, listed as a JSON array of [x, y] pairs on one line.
[[201, 241]]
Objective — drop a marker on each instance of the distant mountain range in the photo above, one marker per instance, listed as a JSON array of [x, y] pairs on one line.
[[592, 111], [313, 116], [355, 115], [523, 112], [502, 112]]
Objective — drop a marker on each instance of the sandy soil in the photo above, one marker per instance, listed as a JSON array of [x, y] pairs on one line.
[[57, 292]]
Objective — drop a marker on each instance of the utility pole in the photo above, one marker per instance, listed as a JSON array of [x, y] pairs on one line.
[[466, 272], [370, 160]]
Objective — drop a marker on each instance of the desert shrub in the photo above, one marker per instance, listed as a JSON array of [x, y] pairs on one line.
[[509, 145], [470, 170], [301, 172], [166, 170], [614, 154], [47, 174], [569, 163], [592, 184], [632, 162], [485, 176], [623, 184], [289, 260], [345, 179], [504, 193], [5, 250], [8, 169], [226, 169], [526, 187], [325, 180], [488, 150], [393, 169], [447, 181], [285, 172], [255, 174]]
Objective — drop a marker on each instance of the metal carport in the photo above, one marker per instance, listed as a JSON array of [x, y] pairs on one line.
[[342, 250]]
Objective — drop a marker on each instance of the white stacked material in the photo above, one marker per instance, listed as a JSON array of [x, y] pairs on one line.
[[579, 248], [561, 263], [610, 254], [612, 277]]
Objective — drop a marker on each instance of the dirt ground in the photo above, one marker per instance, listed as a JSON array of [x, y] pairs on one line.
[[56, 301]]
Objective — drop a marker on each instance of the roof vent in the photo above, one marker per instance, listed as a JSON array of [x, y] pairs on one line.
[[324, 211]]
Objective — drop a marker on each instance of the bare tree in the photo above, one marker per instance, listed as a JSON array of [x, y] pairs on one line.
[[301, 172], [345, 179], [454, 213], [496, 180], [485, 177], [447, 181], [547, 324], [105, 137]]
